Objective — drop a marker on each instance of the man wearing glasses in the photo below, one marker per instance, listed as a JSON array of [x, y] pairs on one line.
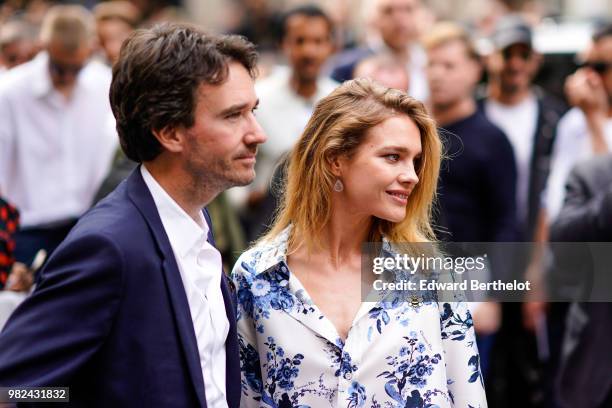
[[586, 130], [525, 112], [529, 117], [57, 135]]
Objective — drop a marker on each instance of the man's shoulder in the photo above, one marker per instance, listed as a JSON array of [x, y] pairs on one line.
[[596, 166], [551, 103], [326, 85], [97, 76], [573, 120], [484, 126], [115, 217], [278, 79], [18, 80]]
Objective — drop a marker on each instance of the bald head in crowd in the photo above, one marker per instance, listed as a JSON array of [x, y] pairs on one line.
[[385, 70], [67, 35]]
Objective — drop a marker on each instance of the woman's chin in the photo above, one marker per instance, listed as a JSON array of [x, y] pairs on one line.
[[392, 216]]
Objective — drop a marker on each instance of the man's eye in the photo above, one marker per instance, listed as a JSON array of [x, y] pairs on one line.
[[233, 115], [254, 110]]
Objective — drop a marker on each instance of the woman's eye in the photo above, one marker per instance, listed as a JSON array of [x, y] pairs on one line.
[[392, 157]]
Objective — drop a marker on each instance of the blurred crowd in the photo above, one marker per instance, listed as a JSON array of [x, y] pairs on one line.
[[527, 139]]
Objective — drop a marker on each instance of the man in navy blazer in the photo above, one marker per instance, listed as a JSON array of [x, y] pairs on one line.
[[126, 313]]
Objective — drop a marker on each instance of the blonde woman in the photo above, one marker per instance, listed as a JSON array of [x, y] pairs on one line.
[[364, 170]]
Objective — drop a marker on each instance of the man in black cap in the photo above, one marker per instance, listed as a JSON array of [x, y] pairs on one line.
[[527, 115]]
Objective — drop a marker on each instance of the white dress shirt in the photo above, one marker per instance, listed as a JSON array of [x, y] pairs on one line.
[[573, 144], [200, 266], [54, 152]]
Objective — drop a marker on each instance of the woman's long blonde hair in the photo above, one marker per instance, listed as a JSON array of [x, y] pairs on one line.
[[337, 127]]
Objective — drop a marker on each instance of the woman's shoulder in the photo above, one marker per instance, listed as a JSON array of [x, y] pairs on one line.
[[261, 256]]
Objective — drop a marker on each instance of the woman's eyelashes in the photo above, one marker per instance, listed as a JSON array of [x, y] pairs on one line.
[[392, 157]]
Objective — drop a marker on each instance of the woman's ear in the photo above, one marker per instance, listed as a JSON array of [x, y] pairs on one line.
[[336, 164], [170, 138]]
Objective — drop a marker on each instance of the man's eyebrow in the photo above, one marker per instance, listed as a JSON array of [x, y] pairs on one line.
[[237, 108]]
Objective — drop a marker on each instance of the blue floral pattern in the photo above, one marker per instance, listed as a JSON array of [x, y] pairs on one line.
[[396, 354]]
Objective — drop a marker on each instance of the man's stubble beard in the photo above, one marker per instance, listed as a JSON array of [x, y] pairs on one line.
[[213, 178]]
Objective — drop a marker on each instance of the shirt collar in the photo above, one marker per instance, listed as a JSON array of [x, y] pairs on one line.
[[41, 83], [274, 251], [183, 232]]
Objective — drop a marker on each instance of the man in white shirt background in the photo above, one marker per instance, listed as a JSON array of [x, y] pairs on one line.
[[586, 130], [287, 98], [57, 135]]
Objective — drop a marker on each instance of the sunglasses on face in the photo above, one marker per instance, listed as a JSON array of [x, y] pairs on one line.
[[598, 66], [524, 54], [64, 69]]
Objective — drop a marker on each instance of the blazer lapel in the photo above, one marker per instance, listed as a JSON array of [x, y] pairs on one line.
[[232, 360], [141, 197]]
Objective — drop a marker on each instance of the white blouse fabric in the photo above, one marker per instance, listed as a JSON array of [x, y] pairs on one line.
[[397, 353]]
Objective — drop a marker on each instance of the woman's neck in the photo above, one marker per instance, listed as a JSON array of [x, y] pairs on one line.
[[344, 234]]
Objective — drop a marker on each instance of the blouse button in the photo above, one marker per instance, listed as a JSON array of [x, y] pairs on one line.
[[348, 375]]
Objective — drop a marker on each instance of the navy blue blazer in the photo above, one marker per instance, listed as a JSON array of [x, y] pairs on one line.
[[110, 317]]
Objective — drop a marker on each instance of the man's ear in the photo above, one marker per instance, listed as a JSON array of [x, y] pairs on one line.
[[477, 71], [171, 138]]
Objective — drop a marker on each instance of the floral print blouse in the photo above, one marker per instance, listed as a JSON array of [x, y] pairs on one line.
[[397, 353]]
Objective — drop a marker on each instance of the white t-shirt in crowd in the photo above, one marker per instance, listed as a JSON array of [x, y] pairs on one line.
[[518, 122]]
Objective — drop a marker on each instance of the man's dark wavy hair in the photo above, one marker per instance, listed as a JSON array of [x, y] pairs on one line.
[[156, 80]]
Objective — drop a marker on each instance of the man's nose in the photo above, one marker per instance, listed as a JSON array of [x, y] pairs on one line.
[[256, 134]]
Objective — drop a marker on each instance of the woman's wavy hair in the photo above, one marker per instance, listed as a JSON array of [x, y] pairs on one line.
[[338, 127]]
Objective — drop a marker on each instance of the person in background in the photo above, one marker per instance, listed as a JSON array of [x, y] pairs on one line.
[[478, 182], [476, 189], [395, 26], [524, 112], [287, 98], [115, 20], [585, 376], [385, 70], [586, 130], [57, 136], [18, 43], [528, 115], [9, 223]]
